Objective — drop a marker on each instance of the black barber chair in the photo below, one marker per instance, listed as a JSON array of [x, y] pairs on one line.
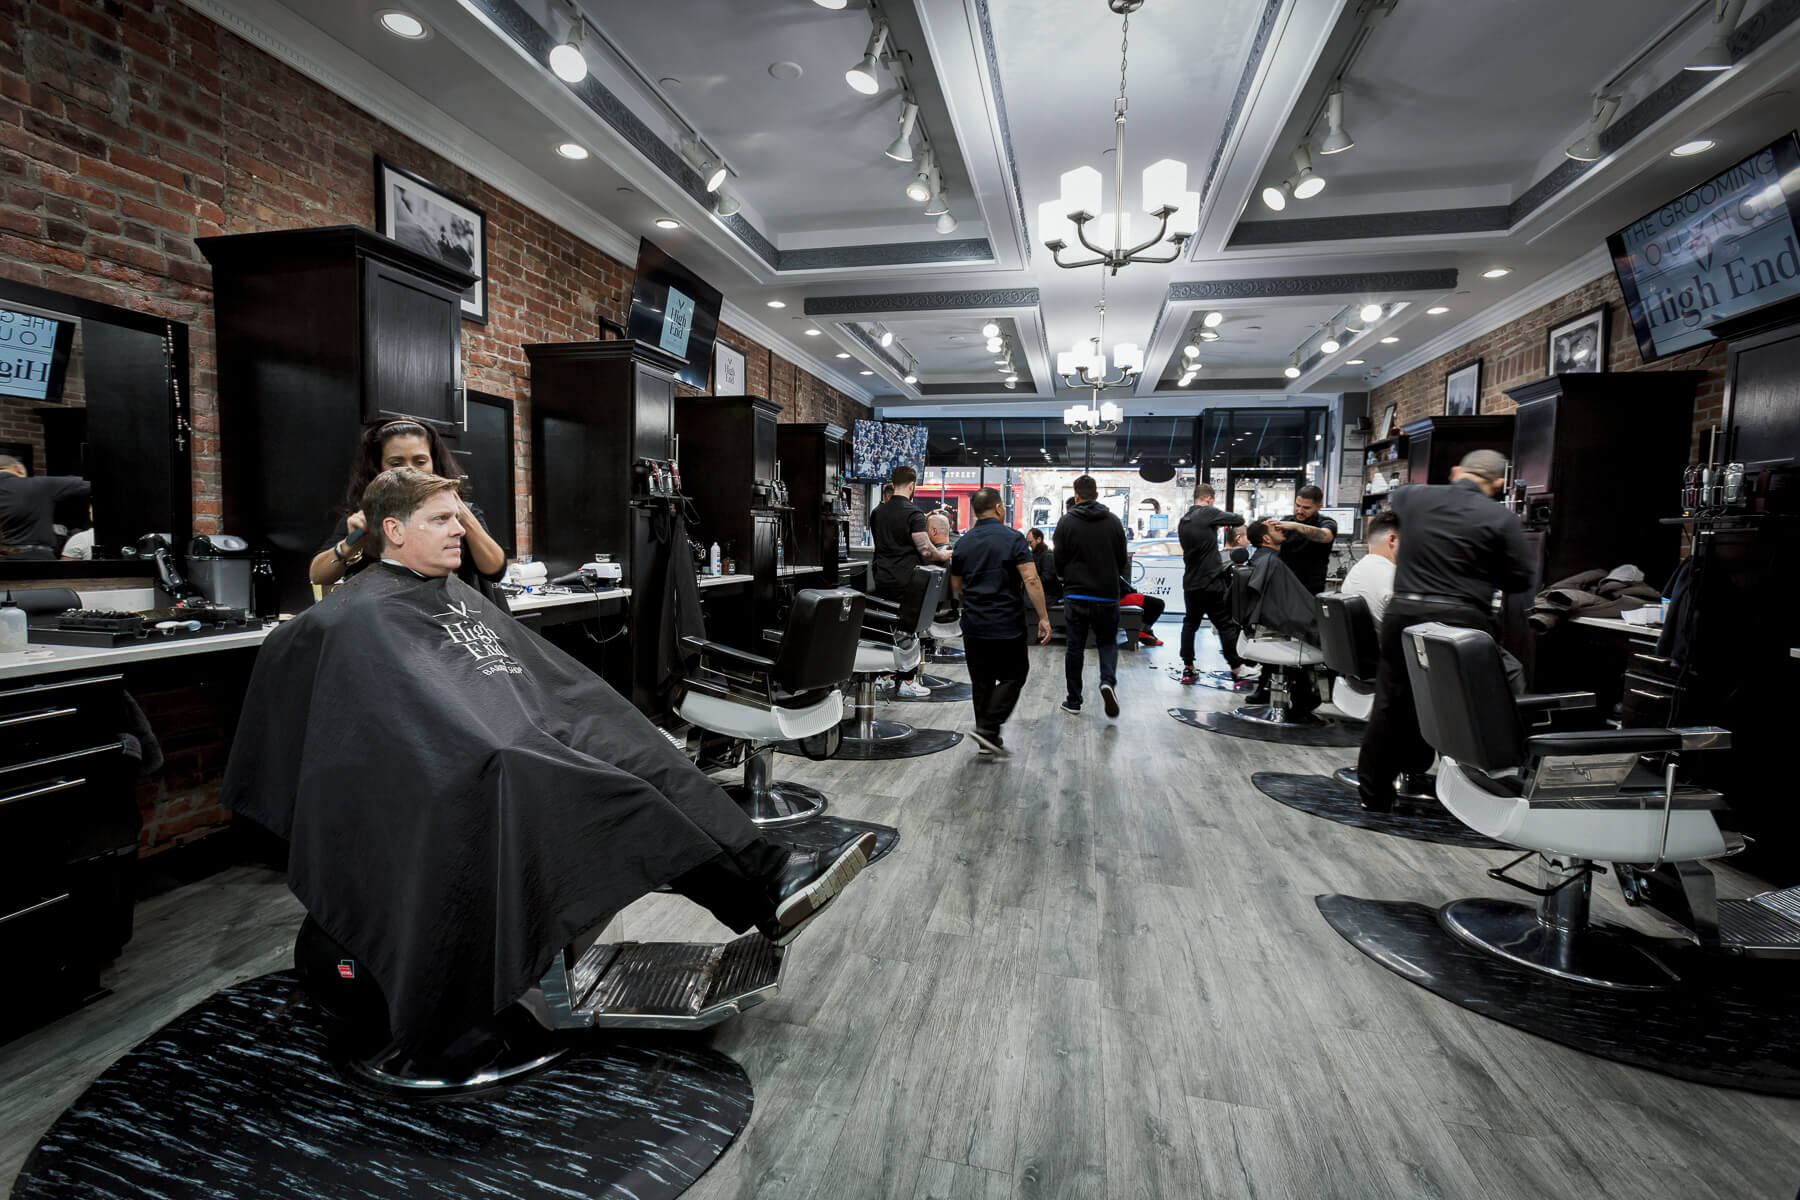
[[760, 702], [1574, 799], [892, 641], [1352, 648], [1284, 661]]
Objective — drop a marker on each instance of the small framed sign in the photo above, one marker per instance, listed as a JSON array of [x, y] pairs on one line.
[[728, 371], [1462, 390], [426, 218]]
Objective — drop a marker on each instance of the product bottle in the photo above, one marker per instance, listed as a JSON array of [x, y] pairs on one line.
[[780, 552], [712, 560], [13, 637], [265, 592]]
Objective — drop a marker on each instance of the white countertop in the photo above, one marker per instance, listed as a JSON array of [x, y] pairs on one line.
[[43, 660], [707, 581], [1647, 632], [537, 601], [797, 570]]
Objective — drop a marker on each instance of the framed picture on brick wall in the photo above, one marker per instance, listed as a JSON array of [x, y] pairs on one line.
[[1578, 346], [1462, 390], [424, 217], [728, 371]]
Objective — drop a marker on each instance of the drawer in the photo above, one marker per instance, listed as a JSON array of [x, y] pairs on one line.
[[59, 809], [1646, 703], [54, 718]]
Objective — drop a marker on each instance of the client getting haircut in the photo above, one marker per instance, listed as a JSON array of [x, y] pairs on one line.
[[398, 493], [1257, 533]]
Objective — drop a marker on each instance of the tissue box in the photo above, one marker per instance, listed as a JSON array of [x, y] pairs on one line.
[[1650, 614]]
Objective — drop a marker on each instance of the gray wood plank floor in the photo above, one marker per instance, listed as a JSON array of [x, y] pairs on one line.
[[1093, 969]]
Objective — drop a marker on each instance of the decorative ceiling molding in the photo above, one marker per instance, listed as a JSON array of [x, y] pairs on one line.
[[1752, 33], [827, 306], [1559, 283], [536, 41], [1258, 46], [1006, 146], [1270, 287], [301, 46], [1272, 383], [976, 389]]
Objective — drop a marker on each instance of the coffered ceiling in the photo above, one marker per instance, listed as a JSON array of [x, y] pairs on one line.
[[1460, 113]]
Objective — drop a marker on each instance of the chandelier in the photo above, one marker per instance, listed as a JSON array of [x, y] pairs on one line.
[[1103, 418], [1166, 198], [1084, 365]]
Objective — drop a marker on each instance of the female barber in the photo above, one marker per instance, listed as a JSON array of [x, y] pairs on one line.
[[402, 443]]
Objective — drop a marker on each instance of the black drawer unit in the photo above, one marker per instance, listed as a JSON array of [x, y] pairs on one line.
[[69, 828]]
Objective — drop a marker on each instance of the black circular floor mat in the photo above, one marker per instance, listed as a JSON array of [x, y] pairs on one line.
[[823, 833], [1328, 732], [1219, 681], [1323, 796], [946, 691], [947, 654], [922, 742], [1733, 1023], [236, 1098]]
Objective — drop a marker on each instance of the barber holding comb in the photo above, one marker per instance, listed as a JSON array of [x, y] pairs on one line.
[[1459, 547]]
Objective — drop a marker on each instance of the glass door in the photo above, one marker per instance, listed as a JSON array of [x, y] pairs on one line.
[[1263, 495]]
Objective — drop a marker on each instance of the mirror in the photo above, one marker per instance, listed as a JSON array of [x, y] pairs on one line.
[[96, 395]]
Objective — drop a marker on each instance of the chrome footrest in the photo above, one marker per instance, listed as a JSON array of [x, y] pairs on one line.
[[1765, 927], [674, 985]]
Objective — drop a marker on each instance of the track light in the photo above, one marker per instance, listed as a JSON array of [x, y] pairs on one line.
[[1275, 195], [711, 171], [1213, 320], [833, 5], [1209, 335], [1336, 139], [1190, 351], [993, 345], [900, 149], [920, 187], [1330, 345], [726, 204], [865, 76], [1586, 148], [1370, 313], [566, 58], [1307, 182], [938, 205], [1292, 370], [991, 329], [885, 336], [946, 223], [912, 371], [1716, 54], [1186, 378]]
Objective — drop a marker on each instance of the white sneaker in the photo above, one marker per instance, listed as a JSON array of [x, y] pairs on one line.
[[1246, 671], [912, 689]]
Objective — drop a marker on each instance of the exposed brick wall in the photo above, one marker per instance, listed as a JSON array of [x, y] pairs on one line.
[[1517, 353], [131, 127]]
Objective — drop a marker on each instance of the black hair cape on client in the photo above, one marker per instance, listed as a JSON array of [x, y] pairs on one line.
[[460, 798]]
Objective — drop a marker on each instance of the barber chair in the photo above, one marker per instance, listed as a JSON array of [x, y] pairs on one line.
[[1352, 648], [1283, 660], [946, 626], [892, 641], [1575, 799], [759, 702]]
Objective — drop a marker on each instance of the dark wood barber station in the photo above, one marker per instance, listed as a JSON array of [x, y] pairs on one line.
[[729, 471], [812, 465]]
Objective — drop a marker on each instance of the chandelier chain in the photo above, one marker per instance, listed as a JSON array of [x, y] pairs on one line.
[[1124, 48]]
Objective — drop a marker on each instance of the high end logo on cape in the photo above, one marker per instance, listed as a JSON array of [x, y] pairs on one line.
[[465, 628]]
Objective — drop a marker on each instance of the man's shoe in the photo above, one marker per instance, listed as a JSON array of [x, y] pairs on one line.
[[912, 689], [1418, 785], [1189, 675], [1110, 698], [1072, 708], [811, 880], [1245, 671], [990, 743], [1147, 638]]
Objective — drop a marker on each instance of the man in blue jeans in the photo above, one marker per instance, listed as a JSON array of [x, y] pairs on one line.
[[1090, 558]]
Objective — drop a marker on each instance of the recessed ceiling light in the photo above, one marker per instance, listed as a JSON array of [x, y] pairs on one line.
[[1355, 362], [1389, 340], [777, 303], [1496, 272], [667, 223], [865, 372], [574, 150], [1436, 310], [812, 333], [403, 24], [1697, 146], [841, 354], [788, 70]]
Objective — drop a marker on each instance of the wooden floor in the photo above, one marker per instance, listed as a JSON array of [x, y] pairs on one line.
[[1094, 969]]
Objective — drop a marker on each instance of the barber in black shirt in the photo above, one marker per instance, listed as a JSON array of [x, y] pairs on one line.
[[1205, 585], [1307, 538], [992, 573], [27, 508], [1459, 547], [902, 544]]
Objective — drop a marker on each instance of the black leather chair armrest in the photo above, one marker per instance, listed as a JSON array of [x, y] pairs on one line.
[[1553, 701], [728, 654], [1630, 741]]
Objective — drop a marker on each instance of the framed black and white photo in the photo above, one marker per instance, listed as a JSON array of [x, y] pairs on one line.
[[1462, 390], [428, 219], [1578, 346], [728, 371]]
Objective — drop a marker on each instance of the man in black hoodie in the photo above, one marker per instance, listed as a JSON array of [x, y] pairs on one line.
[[1090, 558], [1204, 584]]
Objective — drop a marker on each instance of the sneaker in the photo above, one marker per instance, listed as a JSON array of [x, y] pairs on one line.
[[990, 744], [811, 880], [1072, 707], [1110, 699], [912, 689], [1245, 671], [1189, 675], [1149, 639]]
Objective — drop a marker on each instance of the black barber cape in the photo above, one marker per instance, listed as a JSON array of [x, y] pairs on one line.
[[1279, 601], [461, 798]]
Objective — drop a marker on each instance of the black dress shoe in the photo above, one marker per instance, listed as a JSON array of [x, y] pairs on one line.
[[810, 880], [1368, 804], [1418, 786]]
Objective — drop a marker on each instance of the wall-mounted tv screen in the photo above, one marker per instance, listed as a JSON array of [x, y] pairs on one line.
[[877, 447], [1720, 250], [34, 354], [675, 309]]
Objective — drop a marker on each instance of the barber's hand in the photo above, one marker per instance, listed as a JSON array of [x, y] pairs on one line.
[[464, 517], [1043, 631], [356, 522]]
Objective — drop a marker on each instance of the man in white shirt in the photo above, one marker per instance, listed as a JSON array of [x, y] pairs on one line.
[[1372, 577]]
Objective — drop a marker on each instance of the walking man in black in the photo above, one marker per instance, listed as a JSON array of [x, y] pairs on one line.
[[901, 543], [991, 572], [1204, 583], [1090, 559], [1306, 539], [1459, 547]]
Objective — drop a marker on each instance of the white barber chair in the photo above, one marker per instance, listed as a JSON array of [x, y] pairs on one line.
[[892, 641], [1280, 658], [762, 701], [1575, 799]]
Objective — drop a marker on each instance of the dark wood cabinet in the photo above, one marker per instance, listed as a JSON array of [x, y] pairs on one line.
[[320, 330], [728, 464], [812, 466], [1436, 444]]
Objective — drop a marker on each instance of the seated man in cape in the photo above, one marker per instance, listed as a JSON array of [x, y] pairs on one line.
[[462, 800], [1279, 602]]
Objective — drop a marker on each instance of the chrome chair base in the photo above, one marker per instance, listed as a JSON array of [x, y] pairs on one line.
[[1347, 777], [391, 1072], [1600, 956], [769, 801], [1278, 714], [874, 731]]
